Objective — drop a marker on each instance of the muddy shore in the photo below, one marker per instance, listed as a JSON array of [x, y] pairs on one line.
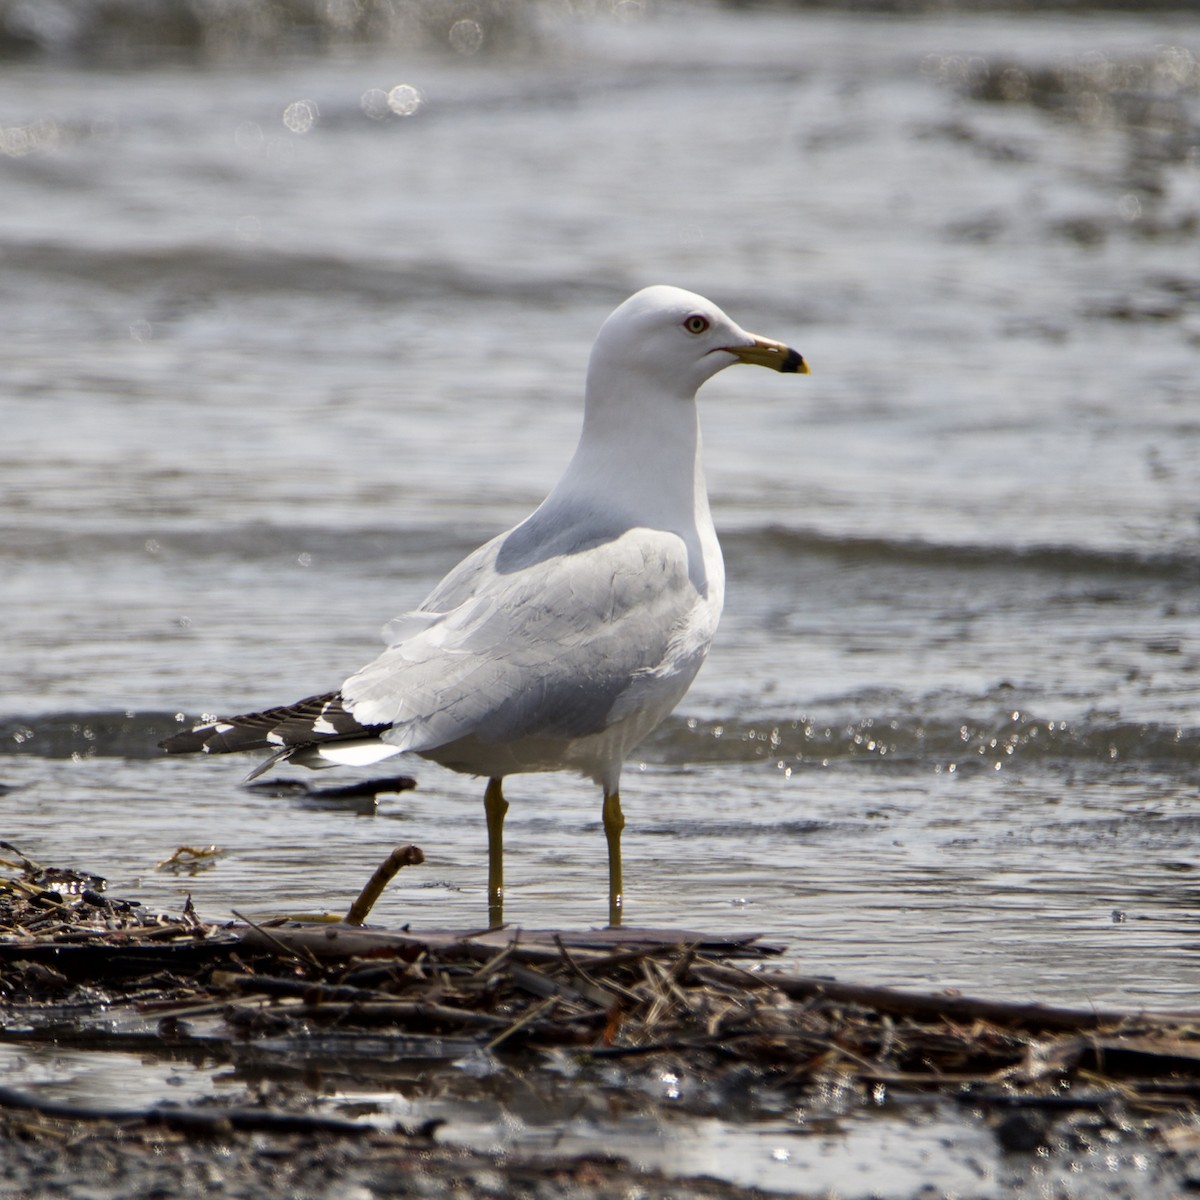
[[101, 1160], [305, 1015]]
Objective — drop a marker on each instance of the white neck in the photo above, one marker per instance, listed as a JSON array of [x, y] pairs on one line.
[[640, 457]]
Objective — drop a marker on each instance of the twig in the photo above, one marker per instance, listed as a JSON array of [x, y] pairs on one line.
[[189, 856], [935, 1007], [397, 1012], [488, 968], [667, 995], [308, 958], [401, 856], [340, 1000], [531, 1015], [599, 993], [26, 863]]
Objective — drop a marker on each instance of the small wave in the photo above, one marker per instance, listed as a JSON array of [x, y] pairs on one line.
[[746, 549], [79, 735], [151, 30], [411, 548], [941, 743], [1181, 564], [216, 270]]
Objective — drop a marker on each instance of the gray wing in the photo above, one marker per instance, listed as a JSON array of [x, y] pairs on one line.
[[537, 643]]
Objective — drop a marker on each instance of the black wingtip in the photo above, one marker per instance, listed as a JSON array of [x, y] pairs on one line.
[[188, 741]]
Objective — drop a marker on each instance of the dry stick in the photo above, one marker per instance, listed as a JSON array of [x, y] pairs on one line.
[[175, 1009], [185, 855], [935, 1007], [401, 856], [531, 980], [490, 965], [25, 888], [531, 1015], [664, 994], [384, 1012], [185, 934], [672, 995], [26, 863], [676, 971], [599, 993], [341, 1000], [314, 993], [600, 961], [307, 958]]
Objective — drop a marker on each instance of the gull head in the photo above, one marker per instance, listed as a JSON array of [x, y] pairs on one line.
[[672, 341]]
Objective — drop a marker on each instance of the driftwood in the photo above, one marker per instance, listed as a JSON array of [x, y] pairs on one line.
[[402, 856], [951, 1007]]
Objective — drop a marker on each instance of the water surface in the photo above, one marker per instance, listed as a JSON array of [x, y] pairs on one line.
[[274, 361]]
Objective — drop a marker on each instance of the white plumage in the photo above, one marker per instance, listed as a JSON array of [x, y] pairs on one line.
[[562, 643]]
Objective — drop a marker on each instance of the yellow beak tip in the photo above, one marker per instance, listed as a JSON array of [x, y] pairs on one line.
[[764, 352]]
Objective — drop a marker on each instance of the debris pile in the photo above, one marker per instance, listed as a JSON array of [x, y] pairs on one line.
[[75, 963]]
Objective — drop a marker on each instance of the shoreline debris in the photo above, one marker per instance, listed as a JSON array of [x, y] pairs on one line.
[[108, 974]]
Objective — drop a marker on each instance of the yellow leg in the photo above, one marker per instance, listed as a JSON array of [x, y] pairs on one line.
[[495, 806], [614, 822]]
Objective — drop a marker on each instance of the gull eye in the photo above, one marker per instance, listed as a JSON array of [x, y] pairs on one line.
[[696, 323]]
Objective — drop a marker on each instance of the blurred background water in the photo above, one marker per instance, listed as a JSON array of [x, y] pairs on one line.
[[297, 300]]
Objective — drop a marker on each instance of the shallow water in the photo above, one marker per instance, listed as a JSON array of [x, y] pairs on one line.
[[262, 386], [895, 1147]]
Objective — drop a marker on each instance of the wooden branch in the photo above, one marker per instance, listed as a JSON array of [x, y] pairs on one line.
[[401, 856], [940, 1005]]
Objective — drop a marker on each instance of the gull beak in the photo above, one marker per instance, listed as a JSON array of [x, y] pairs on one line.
[[763, 352]]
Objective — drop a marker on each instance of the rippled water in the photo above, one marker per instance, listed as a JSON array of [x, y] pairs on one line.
[[276, 356]]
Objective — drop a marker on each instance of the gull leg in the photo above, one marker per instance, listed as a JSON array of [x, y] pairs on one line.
[[495, 806], [614, 822]]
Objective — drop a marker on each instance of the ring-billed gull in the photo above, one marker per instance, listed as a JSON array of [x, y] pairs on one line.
[[559, 645]]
